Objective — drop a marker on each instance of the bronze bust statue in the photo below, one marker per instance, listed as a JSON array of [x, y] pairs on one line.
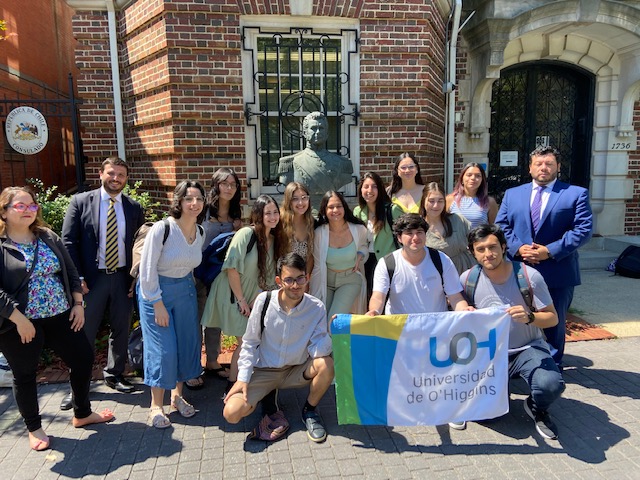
[[315, 166]]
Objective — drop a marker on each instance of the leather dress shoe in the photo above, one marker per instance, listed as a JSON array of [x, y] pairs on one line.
[[119, 383], [67, 402]]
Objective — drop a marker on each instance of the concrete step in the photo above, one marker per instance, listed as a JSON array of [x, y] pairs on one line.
[[600, 251]]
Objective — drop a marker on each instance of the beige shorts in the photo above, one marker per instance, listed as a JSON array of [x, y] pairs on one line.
[[264, 380]]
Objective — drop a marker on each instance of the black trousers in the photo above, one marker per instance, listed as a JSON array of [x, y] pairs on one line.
[[110, 292], [72, 347], [369, 268]]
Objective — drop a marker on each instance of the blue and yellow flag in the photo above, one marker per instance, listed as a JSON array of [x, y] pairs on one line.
[[421, 369]]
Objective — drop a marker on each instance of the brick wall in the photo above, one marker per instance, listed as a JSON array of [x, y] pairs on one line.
[[182, 85], [632, 215]]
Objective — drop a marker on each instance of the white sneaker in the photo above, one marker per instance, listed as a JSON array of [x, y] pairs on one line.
[[458, 425]]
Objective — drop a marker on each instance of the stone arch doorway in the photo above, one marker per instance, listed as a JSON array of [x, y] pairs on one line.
[[540, 103]]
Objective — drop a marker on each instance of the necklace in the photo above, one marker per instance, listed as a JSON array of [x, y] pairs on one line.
[[23, 241]]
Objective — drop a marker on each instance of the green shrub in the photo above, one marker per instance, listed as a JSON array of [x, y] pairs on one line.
[[53, 207]]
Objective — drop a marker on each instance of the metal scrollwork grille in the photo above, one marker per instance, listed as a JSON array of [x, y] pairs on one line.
[[297, 72]]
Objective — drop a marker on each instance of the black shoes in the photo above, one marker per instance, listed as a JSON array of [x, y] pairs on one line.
[[315, 429], [119, 383], [67, 402], [544, 424]]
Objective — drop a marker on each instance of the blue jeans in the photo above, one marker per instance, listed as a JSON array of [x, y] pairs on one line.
[[536, 366], [172, 354]]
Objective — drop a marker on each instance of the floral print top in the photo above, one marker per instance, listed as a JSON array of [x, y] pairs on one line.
[[46, 291]]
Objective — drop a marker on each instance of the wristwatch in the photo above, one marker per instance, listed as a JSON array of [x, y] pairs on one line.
[[80, 304], [532, 318]]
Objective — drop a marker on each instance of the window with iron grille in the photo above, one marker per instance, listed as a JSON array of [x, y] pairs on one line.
[[294, 72]]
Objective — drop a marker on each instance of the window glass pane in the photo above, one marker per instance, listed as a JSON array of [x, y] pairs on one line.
[[296, 75]]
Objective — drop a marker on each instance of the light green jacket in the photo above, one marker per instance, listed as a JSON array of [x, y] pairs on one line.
[[383, 240]]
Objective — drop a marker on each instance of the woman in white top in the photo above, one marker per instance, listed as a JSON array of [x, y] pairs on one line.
[[168, 304], [470, 198], [406, 184], [340, 251]]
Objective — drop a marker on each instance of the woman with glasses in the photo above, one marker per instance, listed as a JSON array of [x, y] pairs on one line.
[[340, 251], [40, 305], [406, 184], [168, 303], [470, 197], [245, 273], [447, 231], [297, 222], [376, 210], [223, 214]]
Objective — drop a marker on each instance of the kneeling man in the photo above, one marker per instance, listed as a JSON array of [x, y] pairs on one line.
[[529, 355], [286, 345]]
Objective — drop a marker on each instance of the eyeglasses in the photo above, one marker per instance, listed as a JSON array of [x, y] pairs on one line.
[[192, 199], [407, 168], [228, 186], [289, 281], [23, 207], [301, 199]]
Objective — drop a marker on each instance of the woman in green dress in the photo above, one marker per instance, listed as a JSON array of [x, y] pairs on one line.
[[245, 273]]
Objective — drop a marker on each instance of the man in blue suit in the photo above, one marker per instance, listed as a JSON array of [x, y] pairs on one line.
[[106, 282], [545, 223]]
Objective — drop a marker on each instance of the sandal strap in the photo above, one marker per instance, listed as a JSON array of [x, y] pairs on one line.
[[184, 408]]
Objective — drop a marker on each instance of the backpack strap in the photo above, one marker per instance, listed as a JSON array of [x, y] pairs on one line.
[[387, 211], [264, 311], [166, 230], [390, 262], [252, 240], [437, 262], [524, 284], [471, 283]]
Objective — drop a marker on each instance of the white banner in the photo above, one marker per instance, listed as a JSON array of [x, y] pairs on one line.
[[421, 369]]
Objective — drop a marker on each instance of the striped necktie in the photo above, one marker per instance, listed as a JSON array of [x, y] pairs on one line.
[[536, 206], [111, 247]]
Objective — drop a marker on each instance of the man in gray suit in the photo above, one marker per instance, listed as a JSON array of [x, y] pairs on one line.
[[94, 223]]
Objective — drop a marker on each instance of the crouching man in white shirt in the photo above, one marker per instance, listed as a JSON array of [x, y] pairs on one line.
[[286, 345]]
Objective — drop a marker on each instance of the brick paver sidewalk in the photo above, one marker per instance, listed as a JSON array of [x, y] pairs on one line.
[[598, 418]]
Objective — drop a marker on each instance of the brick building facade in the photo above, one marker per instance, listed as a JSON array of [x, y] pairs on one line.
[[209, 84], [185, 71]]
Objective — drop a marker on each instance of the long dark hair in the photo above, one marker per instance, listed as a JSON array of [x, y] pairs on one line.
[[348, 214], [433, 187], [483, 189], [381, 202], [175, 210], [257, 212], [396, 181], [213, 199]]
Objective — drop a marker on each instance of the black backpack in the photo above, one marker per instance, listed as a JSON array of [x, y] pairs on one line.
[[628, 263], [214, 255]]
